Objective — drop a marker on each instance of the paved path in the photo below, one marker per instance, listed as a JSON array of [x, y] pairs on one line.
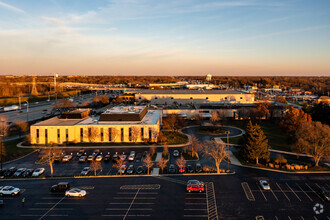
[[159, 156], [155, 172], [233, 159]]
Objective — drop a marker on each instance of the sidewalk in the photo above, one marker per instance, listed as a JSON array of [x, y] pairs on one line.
[[159, 156], [233, 159]]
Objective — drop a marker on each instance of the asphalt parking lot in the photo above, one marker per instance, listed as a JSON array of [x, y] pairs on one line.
[[165, 197]]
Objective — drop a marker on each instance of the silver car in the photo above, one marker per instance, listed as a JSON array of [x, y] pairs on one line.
[[264, 184]]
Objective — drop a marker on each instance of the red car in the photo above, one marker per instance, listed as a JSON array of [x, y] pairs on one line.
[[195, 185], [182, 169]]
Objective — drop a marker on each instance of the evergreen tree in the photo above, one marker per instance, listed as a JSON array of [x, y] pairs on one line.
[[255, 144]]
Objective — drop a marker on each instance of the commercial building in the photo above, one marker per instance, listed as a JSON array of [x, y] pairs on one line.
[[168, 97], [115, 125]]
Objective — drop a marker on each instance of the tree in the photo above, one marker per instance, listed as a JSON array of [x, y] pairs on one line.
[[181, 162], [92, 134], [216, 151], [64, 104], [165, 150], [313, 138], [162, 163], [119, 163], [293, 118], [195, 144], [214, 117], [255, 144], [280, 99], [95, 166], [114, 134], [161, 137], [262, 109], [148, 162], [102, 99], [3, 125], [152, 150], [136, 133], [23, 126], [170, 122], [48, 155]]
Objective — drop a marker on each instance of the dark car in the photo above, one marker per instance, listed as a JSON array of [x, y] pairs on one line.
[[60, 187], [171, 168], [130, 169], [2, 172], [58, 157], [190, 169], [107, 157], [95, 153], [139, 170], [1, 202], [176, 153], [115, 157], [80, 153], [145, 153], [138, 157], [325, 193], [10, 171], [19, 172], [199, 168], [28, 172]]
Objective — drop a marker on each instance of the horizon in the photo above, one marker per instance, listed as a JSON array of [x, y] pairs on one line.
[[166, 38]]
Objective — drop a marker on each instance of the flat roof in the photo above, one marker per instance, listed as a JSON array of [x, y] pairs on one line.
[[125, 109], [186, 91], [55, 121]]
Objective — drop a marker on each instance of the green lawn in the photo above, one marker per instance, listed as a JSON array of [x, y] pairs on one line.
[[271, 129], [175, 138], [210, 130], [13, 152]]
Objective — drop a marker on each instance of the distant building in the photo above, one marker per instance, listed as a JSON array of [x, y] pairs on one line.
[[208, 77], [323, 99], [165, 97], [118, 124]]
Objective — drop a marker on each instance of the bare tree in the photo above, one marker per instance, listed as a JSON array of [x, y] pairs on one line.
[[92, 134], [23, 126], [214, 117], [165, 150], [114, 134], [181, 162], [48, 155], [313, 138], [148, 162], [64, 104], [195, 145], [170, 122], [119, 163], [154, 134], [135, 133], [152, 149], [216, 151], [95, 166], [3, 131], [162, 163]]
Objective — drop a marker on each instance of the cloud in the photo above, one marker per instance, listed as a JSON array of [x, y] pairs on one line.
[[10, 7]]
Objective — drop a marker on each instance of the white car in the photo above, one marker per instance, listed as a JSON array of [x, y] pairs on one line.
[[85, 171], [75, 192], [38, 171], [122, 169], [67, 158], [131, 156], [99, 157], [9, 190], [264, 184]]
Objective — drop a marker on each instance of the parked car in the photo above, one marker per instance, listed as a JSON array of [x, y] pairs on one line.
[[131, 156], [67, 158], [176, 153], [38, 171], [60, 187], [138, 157], [2, 172], [10, 172], [85, 171], [96, 152], [264, 184], [199, 168], [171, 168], [83, 158], [145, 153], [190, 169], [195, 186], [123, 156], [28, 173], [130, 169], [19, 172], [122, 169], [182, 169], [80, 153], [139, 170], [75, 192], [325, 193], [9, 190], [99, 157], [107, 157], [1, 203], [58, 157], [90, 158], [115, 157]]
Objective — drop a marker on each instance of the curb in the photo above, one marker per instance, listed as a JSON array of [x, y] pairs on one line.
[[20, 157]]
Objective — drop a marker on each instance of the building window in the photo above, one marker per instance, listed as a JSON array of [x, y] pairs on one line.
[[191, 97], [171, 97], [156, 97], [67, 135], [241, 97], [89, 134], [110, 135], [139, 97], [225, 97], [122, 134], [101, 134], [130, 134], [46, 136], [81, 135], [37, 136], [58, 136], [150, 136], [207, 97], [142, 133]]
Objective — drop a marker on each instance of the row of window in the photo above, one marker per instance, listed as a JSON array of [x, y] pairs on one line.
[[192, 98]]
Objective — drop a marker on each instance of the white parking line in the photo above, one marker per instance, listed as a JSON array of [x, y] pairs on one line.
[[126, 215], [274, 195], [137, 192], [313, 191], [196, 198], [58, 209], [304, 192], [52, 203], [261, 191], [293, 191], [195, 210], [29, 215], [302, 218], [276, 218], [196, 203], [51, 208], [283, 192], [195, 216], [133, 198], [289, 217], [141, 193], [315, 218], [127, 203], [135, 209]]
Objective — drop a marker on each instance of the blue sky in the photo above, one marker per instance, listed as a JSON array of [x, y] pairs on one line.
[[148, 37]]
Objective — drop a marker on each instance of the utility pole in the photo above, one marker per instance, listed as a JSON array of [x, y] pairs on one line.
[[27, 111]]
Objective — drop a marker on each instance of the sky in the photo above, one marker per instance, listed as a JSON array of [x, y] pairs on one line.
[[165, 37]]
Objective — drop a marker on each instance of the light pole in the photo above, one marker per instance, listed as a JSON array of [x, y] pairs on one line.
[[228, 132], [27, 111]]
